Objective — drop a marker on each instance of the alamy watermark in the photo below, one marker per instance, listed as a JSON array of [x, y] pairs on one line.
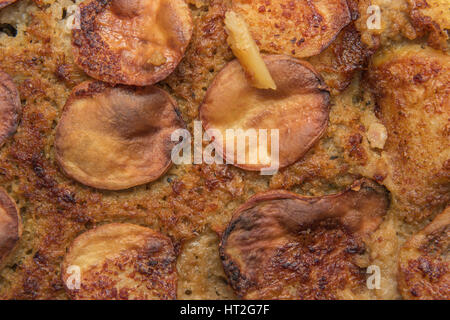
[[238, 146], [374, 20]]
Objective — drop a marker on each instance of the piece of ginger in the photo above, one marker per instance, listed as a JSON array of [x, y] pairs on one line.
[[247, 52]]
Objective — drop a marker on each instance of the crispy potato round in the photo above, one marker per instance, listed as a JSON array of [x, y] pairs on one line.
[[280, 245], [116, 137], [134, 42], [120, 261], [424, 262], [411, 84], [10, 225], [299, 28], [298, 108], [4, 3], [10, 107]]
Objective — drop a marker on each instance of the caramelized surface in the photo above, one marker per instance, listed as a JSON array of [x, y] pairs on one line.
[[188, 199], [121, 261], [9, 107], [412, 86], [280, 245], [134, 42], [116, 138], [301, 28], [424, 264]]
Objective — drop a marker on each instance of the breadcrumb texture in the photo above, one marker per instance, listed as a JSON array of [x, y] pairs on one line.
[[190, 200]]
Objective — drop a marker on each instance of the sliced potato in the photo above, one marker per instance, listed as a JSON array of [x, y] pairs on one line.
[[339, 63], [116, 137], [10, 107], [280, 245], [300, 28], [10, 225], [136, 42], [411, 85], [424, 263], [247, 52], [120, 261], [298, 109]]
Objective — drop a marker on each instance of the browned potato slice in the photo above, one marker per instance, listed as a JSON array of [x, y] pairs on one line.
[[412, 85], [424, 264], [298, 108], [300, 28], [280, 245], [10, 225], [134, 42], [9, 107], [120, 261], [116, 137], [4, 3]]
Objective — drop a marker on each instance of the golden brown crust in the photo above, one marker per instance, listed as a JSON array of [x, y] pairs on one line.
[[411, 85], [134, 42], [346, 55], [121, 261], [9, 107], [298, 108], [424, 263], [299, 28], [431, 17], [10, 225], [280, 245], [116, 137]]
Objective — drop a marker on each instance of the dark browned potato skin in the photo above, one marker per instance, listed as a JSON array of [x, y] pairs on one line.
[[424, 263], [10, 107], [279, 240], [100, 61], [292, 77], [10, 225]]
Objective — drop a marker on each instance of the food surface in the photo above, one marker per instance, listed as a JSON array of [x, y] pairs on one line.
[[425, 261], [10, 225], [91, 92], [298, 108], [121, 261], [412, 87], [9, 107], [300, 28], [280, 245], [4, 3], [116, 138], [135, 42]]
